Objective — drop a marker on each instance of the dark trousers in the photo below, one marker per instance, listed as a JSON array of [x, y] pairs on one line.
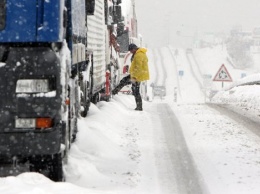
[[125, 81], [137, 95], [135, 89]]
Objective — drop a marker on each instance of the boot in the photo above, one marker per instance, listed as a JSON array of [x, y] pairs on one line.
[[139, 108], [139, 103]]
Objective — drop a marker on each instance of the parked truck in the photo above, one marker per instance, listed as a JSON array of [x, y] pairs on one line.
[[56, 57]]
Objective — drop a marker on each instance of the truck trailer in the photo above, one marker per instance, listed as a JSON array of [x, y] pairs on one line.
[[56, 57]]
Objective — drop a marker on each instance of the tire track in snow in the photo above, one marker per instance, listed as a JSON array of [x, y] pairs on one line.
[[193, 71], [182, 172], [152, 67], [159, 68], [175, 71], [156, 61], [164, 72], [189, 85]]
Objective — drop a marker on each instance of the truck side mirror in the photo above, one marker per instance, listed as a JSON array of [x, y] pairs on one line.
[[117, 14], [110, 10], [90, 7]]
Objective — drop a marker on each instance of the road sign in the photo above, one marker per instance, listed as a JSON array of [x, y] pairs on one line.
[[243, 75], [181, 73], [222, 75]]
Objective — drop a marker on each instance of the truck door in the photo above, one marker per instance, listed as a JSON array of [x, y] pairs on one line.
[[18, 21], [31, 21], [50, 20]]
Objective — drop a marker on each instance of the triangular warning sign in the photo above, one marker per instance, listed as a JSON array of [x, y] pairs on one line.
[[222, 75]]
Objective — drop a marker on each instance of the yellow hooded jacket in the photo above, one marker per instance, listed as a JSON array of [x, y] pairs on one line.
[[139, 66]]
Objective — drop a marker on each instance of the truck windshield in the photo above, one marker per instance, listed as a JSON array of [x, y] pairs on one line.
[[2, 14]]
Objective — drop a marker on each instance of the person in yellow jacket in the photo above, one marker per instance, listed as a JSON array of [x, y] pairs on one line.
[[139, 67], [139, 72]]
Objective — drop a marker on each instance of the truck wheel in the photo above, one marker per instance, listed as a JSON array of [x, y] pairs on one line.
[[84, 112], [55, 168], [84, 104], [75, 130], [95, 98], [48, 165]]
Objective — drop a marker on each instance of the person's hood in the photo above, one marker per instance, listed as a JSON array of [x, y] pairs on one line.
[[143, 50]]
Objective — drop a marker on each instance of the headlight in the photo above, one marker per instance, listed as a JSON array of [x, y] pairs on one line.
[[32, 86]]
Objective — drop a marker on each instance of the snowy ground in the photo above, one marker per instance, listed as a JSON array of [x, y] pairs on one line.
[[119, 150]]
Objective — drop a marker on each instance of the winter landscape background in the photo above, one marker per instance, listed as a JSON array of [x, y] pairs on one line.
[[202, 137], [119, 150]]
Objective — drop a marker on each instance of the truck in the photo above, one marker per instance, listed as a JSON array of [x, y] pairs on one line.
[[56, 58]]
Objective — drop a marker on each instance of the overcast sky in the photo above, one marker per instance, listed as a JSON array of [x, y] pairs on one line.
[[158, 21]]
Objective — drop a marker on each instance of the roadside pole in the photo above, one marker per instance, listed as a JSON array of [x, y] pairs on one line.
[[175, 94]]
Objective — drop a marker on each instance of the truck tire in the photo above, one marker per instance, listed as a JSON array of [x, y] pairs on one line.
[[95, 98], [48, 165], [55, 168], [83, 102]]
